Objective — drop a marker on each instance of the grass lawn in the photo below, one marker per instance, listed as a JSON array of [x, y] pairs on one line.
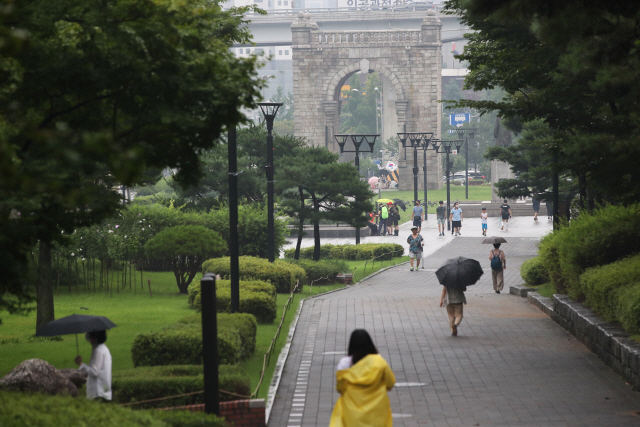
[[479, 192], [362, 272], [136, 313]]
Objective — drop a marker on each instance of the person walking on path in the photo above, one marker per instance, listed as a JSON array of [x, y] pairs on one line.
[[505, 214], [384, 216], [453, 299], [394, 216], [456, 219], [363, 380], [418, 215], [536, 208], [498, 265], [484, 216], [441, 212], [99, 368], [416, 242], [549, 206]]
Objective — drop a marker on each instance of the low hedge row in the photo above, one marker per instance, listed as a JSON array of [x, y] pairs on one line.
[[599, 238], [315, 270], [256, 297], [146, 383], [534, 272], [181, 343], [27, 410], [350, 252], [280, 274], [613, 291]]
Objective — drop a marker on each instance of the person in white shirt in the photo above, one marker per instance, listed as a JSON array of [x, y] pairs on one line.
[[99, 368]]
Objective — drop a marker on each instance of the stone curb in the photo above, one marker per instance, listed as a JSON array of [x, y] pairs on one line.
[[520, 290], [606, 340]]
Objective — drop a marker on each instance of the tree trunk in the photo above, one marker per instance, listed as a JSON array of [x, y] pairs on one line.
[[316, 230], [44, 289], [301, 227]]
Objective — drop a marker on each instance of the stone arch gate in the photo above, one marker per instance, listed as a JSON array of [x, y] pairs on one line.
[[409, 63]]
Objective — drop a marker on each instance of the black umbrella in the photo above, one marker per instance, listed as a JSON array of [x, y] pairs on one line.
[[75, 324], [400, 204], [494, 240], [459, 272]]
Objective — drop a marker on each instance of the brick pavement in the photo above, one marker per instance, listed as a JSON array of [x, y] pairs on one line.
[[510, 365]]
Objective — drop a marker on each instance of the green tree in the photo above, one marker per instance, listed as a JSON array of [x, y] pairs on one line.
[[358, 113], [252, 159], [326, 190], [285, 112], [575, 66], [103, 91], [186, 247]]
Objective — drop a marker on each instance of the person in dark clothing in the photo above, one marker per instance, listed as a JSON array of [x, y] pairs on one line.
[[536, 208], [505, 214]]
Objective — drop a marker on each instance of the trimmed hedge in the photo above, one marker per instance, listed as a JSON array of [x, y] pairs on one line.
[[181, 343], [613, 291], [350, 252], [256, 297], [599, 238], [280, 274], [329, 268], [42, 410], [367, 251], [145, 383], [189, 419], [534, 272], [307, 253]]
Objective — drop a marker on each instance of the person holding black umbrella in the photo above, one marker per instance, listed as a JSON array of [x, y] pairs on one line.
[[99, 368], [453, 299]]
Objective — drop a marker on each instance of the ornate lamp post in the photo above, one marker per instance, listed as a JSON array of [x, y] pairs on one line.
[[416, 142], [357, 140], [461, 134], [428, 140], [269, 111], [447, 146]]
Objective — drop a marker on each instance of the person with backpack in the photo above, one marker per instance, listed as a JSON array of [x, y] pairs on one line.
[[498, 265], [394, 217], [384, 216], [505, 214]]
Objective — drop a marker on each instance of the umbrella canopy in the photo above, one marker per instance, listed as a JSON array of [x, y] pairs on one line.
[[493, 240], [75, 324], [385, 201], [400, 204], [373, 180], [459, 272]]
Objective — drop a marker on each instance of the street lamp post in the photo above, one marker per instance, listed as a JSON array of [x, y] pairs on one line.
[[447, 146], [269, 111], [461, 134], [415, 140], [357, 140], [425, 146]]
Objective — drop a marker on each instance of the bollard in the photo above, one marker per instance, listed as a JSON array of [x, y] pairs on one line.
[[210, 344]]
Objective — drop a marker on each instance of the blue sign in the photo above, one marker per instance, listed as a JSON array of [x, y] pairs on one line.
[[458, 119]]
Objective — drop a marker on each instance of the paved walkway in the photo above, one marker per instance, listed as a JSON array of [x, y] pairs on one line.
[[510, 365]]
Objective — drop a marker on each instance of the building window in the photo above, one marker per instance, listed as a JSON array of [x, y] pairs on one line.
[[279, 2], [286, 52], [286, 3], [279, 52], [240, 51]]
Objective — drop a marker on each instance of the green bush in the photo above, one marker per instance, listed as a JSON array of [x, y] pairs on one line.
[[350, 252], [280, 274], [307, 253], [189, 419], [613, 291], [181, 343], [534, 272], [599, 238], [28, 410], [146, 383], [256, 297], [315, 270]]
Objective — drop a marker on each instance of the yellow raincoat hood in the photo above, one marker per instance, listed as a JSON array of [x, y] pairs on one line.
[[363, 400]]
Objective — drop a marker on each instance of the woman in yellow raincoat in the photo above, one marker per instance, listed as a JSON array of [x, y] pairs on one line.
[[363, 379]]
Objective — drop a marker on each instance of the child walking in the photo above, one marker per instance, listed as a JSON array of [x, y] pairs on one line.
[[483, 218]]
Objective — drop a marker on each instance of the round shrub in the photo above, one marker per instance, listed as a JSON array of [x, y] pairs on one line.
[[185, 247], [534, 272], [280, 274]]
